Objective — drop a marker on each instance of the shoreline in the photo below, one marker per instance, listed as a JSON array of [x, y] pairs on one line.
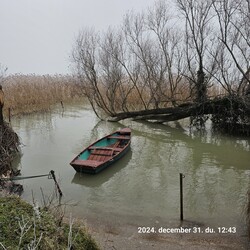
[[126, 236]]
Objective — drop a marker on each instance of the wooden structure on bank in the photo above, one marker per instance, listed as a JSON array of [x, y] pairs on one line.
[[1, 104]]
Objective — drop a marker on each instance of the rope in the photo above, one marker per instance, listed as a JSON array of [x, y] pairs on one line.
[[51, 175], [17, 178]]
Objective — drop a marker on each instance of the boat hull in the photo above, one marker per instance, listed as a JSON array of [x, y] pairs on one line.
[[96, 170], [103, 153]]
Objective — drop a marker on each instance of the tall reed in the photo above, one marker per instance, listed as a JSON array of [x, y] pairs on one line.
[[29, 93]]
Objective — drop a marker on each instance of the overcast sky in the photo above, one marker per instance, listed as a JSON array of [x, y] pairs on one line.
[[36, 36]]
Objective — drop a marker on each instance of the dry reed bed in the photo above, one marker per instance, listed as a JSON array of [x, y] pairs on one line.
[[127, 97], [29, 93]]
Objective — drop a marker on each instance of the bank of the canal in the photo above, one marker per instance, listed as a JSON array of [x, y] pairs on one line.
[[142, 190], [9, 144], [27, 227]]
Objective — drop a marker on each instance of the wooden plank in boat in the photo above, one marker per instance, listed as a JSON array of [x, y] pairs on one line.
[[119, 137]]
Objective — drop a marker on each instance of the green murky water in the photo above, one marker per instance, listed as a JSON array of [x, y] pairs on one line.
[[143, 187]]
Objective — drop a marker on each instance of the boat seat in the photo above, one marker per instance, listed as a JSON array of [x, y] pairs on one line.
[[119, 137], [113, 149], [118, 149], [90, 163], [101, 148], [106, 153]]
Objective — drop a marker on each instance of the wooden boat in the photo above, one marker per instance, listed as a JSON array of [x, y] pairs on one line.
[[103, 152]]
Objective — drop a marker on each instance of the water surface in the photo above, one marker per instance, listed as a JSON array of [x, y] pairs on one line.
[[143, 187]]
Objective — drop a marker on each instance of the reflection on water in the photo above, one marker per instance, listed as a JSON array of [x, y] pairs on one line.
[[144, 185]]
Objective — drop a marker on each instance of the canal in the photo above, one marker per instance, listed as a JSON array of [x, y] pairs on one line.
[[141, 189]]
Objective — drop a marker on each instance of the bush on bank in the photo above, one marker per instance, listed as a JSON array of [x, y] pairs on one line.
[[23, 227]]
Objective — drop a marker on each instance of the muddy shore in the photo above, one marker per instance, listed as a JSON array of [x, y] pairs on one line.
[[125, 237]]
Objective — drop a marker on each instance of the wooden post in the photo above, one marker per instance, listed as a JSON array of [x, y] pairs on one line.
[[9, 114], [56, 183], [181, 195], [1, 104], [62, 105], [1, 114]]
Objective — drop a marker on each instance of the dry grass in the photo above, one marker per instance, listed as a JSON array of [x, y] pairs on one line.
[[29, 93], [131, 98], [29, 227], [164, 98]]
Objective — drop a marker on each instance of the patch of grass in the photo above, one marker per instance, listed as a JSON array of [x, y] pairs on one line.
[[23, 228]]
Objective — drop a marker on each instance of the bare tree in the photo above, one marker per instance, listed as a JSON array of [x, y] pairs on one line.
[[171, 58], [120, 70], [197, 16], [3, 70], [2, 77], [85, 55], [140, 48], [111, 70], [156, 47], [233, 19], [1, 105], [139, 70]]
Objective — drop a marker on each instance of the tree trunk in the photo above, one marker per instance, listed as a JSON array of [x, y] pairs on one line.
[[201, 88], [1, 104], [1, 115], [222, 106]]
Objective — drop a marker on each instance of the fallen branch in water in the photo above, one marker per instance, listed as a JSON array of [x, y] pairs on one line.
[[231, 114], [184, 110]]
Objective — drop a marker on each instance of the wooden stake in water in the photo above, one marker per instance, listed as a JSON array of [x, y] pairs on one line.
[[62, 105], [56, 183], [181, 195]]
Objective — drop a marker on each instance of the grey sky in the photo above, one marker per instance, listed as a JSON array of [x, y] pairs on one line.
[[36, 36]]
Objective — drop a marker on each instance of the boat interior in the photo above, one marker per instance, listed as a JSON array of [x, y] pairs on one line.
[[105, 153]]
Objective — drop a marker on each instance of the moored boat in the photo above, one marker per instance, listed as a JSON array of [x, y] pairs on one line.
[[103, 152]]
